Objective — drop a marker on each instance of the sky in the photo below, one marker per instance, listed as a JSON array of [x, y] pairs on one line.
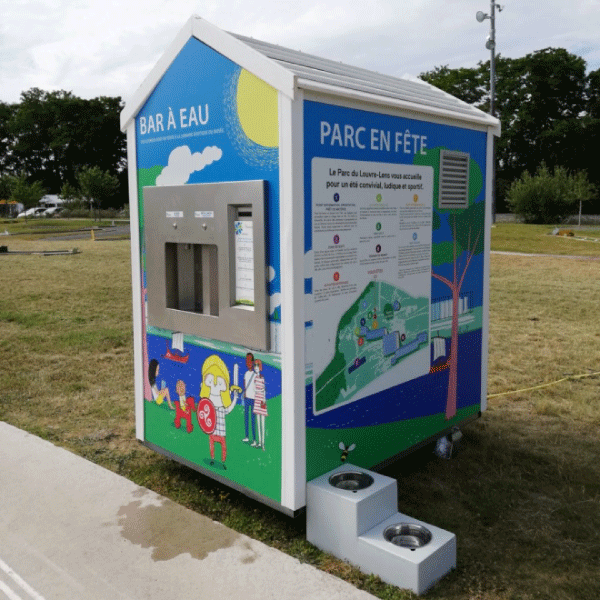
[[108, 47]]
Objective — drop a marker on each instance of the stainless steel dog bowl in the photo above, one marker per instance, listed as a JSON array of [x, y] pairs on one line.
[[351, 480], [407, 535]]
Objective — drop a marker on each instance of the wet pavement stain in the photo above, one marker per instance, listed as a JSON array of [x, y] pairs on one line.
[[170, 530]]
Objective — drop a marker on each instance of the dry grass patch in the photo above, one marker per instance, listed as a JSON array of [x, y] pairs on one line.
[[543, 328], [522, 495]]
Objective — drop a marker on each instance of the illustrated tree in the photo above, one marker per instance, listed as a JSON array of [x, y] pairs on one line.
[[466, 226]]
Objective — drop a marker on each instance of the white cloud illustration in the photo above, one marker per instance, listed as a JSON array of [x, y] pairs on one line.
[[182, 163], [274, 302]]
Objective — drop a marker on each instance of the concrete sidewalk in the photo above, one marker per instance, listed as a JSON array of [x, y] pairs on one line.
[[70, 529]]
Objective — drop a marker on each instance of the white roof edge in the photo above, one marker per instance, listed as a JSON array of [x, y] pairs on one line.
[[479, 118], [220, 41], [285, 80]]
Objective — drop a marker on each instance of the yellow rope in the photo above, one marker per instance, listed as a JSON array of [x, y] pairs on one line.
[[543, 385]]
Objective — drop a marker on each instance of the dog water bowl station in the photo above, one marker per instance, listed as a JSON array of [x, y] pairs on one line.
[[310, 250], [353, 513]]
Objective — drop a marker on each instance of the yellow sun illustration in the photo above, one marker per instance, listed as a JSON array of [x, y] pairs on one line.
[[257, 110]]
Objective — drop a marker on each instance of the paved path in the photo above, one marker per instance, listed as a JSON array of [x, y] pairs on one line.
[[72, 530]]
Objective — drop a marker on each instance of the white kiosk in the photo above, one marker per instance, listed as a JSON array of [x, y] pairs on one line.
[[310, 250]]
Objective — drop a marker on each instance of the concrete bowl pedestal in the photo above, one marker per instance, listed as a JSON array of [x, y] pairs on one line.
[[350, 521]]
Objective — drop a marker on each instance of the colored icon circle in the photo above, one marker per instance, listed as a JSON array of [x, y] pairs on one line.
[[378, 227], [336, 239], [375, 324], [207, 416], [378, 248], [416, 198], [362, 322], [336, 197], [336, 276], [415, 236], [361, 341], [379, 198]]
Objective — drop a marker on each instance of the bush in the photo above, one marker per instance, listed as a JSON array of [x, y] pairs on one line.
[[548, 197]]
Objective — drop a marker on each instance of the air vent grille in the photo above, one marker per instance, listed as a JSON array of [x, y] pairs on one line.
[[454, 180]]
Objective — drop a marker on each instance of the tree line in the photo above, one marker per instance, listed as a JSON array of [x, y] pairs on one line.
[[58, 143], [548, 104], [549, 108]]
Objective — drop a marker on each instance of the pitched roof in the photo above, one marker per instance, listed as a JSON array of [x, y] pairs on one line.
[[289, 70]]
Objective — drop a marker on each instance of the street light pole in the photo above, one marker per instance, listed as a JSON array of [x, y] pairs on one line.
[[492, 47], [490, 44]]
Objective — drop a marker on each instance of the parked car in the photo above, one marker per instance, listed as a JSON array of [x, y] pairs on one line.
[[53, 211], [36, 211]]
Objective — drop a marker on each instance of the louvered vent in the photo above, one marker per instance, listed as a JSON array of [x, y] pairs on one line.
[[454, 179]]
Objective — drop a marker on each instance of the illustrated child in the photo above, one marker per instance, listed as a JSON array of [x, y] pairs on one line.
[[158, 395], [215, 387], [260, 403], [184, 408], [249, 392]]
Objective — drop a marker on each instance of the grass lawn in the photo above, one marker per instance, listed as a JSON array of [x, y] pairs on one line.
[[32, 228], [522, 495], [537, 239]]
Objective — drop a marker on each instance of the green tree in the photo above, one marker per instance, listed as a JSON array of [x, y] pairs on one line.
[[549, 196], [56, 134], [470, 85], [6, 138], [69, 193], [548, 106], [97, 186], [6, 185], [28, 194]]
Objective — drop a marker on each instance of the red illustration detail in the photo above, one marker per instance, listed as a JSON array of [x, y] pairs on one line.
[[207, 416], [185, 414], [180, 358]]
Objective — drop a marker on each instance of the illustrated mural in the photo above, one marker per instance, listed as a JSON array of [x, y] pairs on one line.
[[208, 120], [394, 285]]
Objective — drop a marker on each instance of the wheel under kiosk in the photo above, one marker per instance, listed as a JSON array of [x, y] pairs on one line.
[[310, 251]]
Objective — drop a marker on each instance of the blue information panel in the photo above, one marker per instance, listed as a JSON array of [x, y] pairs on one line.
[[394, 283]]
